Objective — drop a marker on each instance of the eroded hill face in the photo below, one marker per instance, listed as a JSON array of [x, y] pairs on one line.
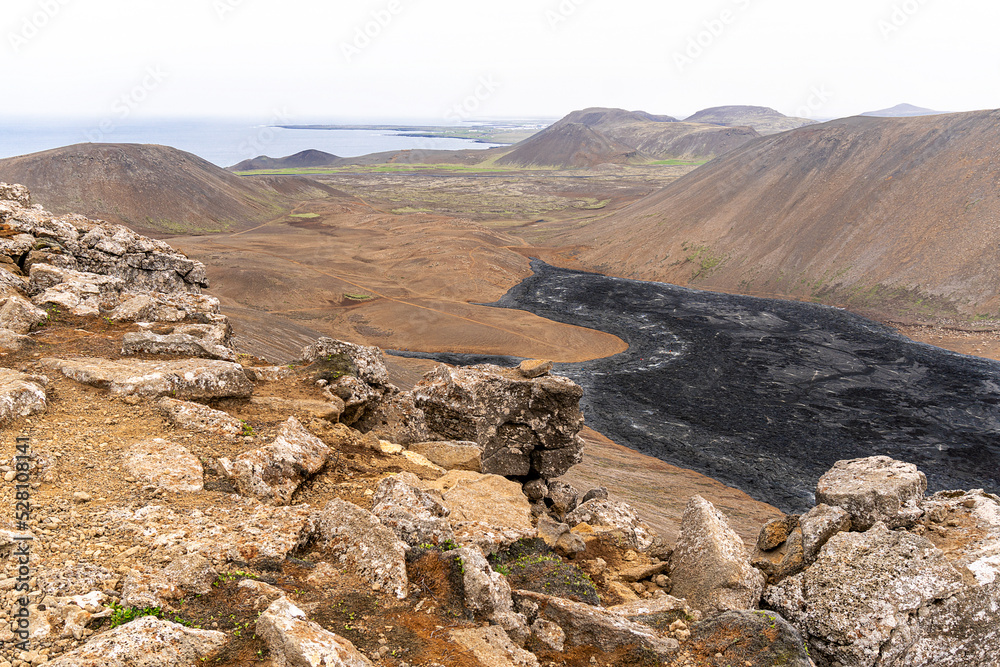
[[763, 119], [889, 216], [152, 188]]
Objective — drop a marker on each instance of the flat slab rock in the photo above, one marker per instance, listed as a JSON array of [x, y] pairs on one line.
[[146, 642], [489, 511], [231, 530], [185, 379], [21, 395], [198, 417], [273, 472], [167, 465]]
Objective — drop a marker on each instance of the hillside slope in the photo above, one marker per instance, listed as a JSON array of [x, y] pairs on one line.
[[656, 137], [763, 119], [302, 159], [152, 188], [897, 215]]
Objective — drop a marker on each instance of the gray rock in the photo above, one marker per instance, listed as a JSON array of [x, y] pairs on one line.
[[546, 636], [874, 489], [182, 345], [198, 417], [165, 464], [187, 379], [562, 497], [709, 566], [143, 589], [374, 551], [21, 395], [525, 427], [750, 638], [820, 524], [587, 626], [12, 192], [14, 342], [451, 455], [364, 362], [618, 516], [536, 490], [192, 573], [559, 537], [295, 641], [782, 561], [136, 308], [600, 493], [391, 415], [413, 514], [17, 314], [487, 593], [146, 642], [274, 472]]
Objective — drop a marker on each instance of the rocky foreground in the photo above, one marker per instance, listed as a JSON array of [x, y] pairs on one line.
[[192, 505]]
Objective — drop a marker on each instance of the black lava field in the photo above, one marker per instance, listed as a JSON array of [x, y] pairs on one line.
[[766, 395]]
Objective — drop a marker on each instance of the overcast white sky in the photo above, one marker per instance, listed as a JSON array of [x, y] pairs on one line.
[[515, 58]]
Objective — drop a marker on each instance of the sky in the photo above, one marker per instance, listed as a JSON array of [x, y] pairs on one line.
[[447, 61]]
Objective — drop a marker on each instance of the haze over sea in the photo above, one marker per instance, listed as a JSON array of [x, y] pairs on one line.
[[223, 142]]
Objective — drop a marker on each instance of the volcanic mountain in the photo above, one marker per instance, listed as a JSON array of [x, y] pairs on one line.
[[153, 188], [763, 119], [617, 136], [302, 159], [895, 215]]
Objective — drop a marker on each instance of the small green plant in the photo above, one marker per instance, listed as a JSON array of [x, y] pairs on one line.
[[233, 576], [461, 564], [247, 428]]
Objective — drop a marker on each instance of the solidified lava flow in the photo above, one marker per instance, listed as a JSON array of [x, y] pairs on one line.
[[766, 395]]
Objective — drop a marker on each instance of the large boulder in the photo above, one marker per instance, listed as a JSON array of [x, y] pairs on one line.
[[295, 641], [274, 472], [820, 524], [919, 598], [166, 465], [17, 314], [21, 395], [146, 642], [344, 530], [709, 566], [749, 639], [874, 489], [354, 373], [488, 511], [525, 427], [186, 380]]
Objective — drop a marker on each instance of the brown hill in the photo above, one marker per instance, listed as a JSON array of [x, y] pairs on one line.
[[302, 159], [656, 137], [153, 188], [896, 215], [571, 145], [763, 119]]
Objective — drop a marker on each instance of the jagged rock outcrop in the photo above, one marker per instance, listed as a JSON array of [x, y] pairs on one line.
[[764, 639], [487, 593], [346, 531], [919, 595], [414, 515], [186, 379], [273, 472], [709, 566], [525, 427], [874, 489]]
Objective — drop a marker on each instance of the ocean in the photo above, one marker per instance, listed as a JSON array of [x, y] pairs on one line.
[[222, 142]]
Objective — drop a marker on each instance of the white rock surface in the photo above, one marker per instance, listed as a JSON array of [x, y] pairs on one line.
[[167, 465], [273, 473], [145, 642], [295, 641]]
